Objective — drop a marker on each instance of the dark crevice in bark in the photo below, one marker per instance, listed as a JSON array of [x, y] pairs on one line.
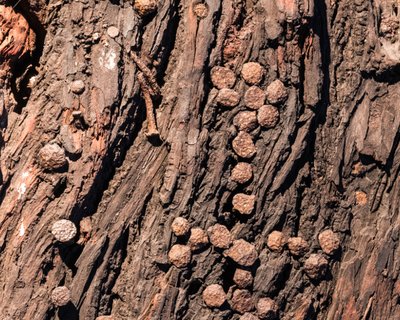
[[121, 247], [69, 254], [389, 75], [163, 52], [112, 160], [94, 268], [68, 312], [320, 27]]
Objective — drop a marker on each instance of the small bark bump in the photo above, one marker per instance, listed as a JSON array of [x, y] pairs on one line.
[[64, 230], [220, 236], [252, 72], [180, 255], [214, 296], [243, 253], [60, 296], [254, 98], [243, 145], [276, 92], [180, 227], [198, 239], [244, 203], [222, 77], [246, 121], [242, 172]]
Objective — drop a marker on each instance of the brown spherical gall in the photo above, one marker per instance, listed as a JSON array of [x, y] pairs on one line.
[[268, 116], [298, 246], [220, 236], [52, 157], [180, 227], [242, 172], [228, 98], [242, 301], [316, 266], [198, 239], [60, 296], [254, 98], [276, 92], [214, 296], [252, 72], [248, 316], [267, 309], [329, 241], [244, 203], [246, 121], [145, 7], [222, 77], [243, 278], [64, 230], [276, 241], [243, 253], [77, 86], [180, 255], [200, 10], [243, 145]]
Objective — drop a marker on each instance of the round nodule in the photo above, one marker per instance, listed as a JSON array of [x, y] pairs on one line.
[[222, 77], [200, 10], [220, 236], [214, 296], [52, 157], [64, 230], [252, 72], [180, 255], [60, 296], [243, 145], [242, 301], [243, 253], [180, 226]]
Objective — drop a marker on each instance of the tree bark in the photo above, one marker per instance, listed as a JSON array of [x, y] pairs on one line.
[[330, 163]]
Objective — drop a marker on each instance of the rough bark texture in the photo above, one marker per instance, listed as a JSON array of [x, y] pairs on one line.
[[330, 162]]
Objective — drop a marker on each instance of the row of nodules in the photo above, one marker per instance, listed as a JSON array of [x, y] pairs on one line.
[[262, 104]]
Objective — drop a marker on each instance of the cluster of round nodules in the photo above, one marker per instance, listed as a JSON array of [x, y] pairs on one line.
[[316, 265], [241, 252], [180, 255]]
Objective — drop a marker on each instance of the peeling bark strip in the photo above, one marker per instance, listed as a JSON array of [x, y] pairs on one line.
[[273, 193]]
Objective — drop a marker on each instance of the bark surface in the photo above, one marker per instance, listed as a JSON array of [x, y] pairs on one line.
[[77, 78]]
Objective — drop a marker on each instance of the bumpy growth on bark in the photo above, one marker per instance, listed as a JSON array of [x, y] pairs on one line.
[[253, 116]]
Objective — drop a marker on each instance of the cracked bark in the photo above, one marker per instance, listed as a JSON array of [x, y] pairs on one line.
[[332, 162]]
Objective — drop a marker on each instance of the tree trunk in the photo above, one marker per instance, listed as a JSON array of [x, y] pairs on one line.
[[79, 81]]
